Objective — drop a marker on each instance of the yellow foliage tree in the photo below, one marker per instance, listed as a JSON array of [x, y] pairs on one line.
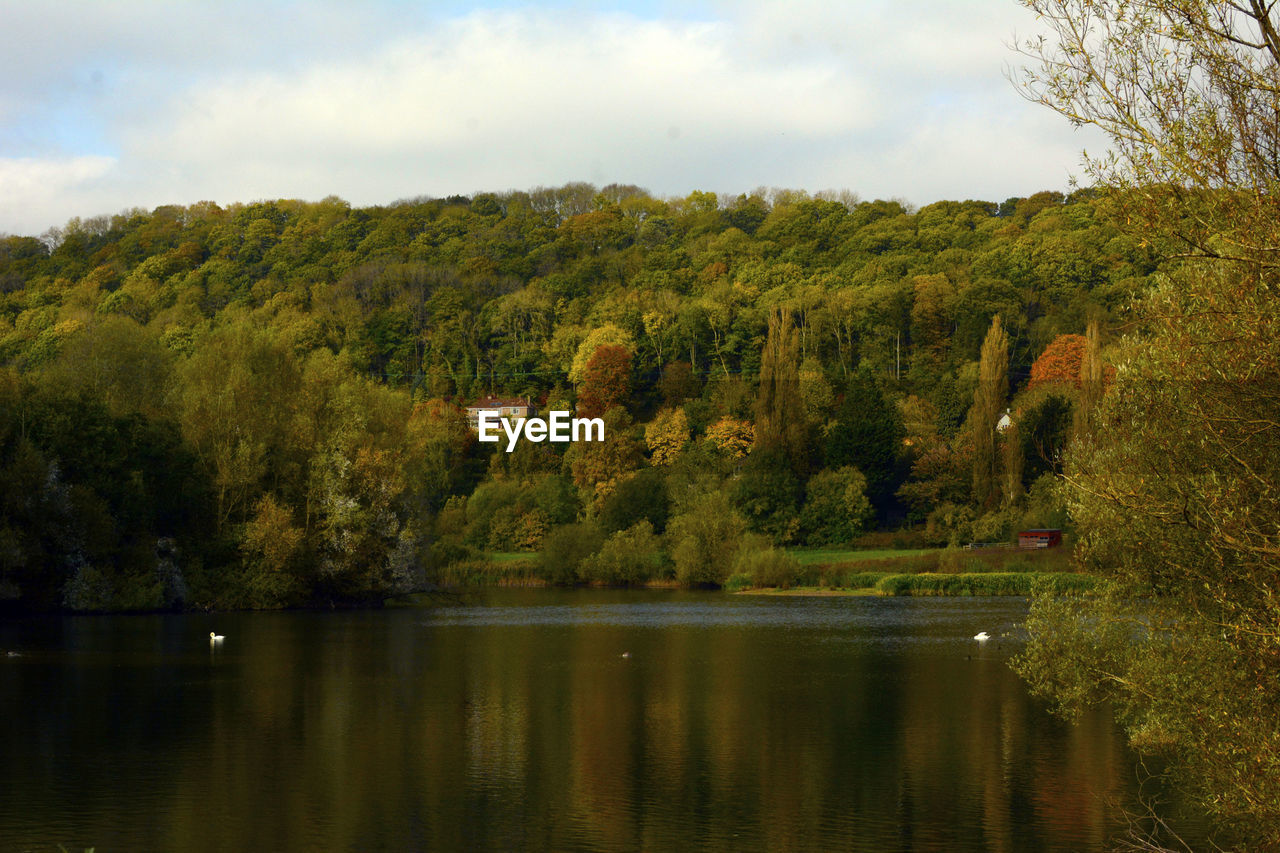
[[666, 436], [732, 436]]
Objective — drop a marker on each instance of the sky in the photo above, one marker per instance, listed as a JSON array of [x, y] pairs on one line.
[[106, 107]]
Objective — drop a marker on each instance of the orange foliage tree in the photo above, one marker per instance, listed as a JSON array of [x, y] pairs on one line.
[[606, 381], [1060, 361]]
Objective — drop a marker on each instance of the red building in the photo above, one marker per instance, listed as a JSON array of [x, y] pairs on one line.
[[1039, 538]]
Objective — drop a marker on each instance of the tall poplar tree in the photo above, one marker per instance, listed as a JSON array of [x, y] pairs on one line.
[[780, 415], [988, 403], [1091, 381]]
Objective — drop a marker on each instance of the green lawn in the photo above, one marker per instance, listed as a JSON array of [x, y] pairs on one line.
[[833, 556], [509, 556]]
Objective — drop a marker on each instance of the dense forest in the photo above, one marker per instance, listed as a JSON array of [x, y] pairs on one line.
[[263, 405]]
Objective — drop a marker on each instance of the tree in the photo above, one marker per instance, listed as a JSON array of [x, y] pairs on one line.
[[270, 548], [1092, 378], [606, 335], [780, 417], [1013, 460], [732, 436], [642, 496], [606, 381], [630, 556], [1181, 89], [703, 538], [988, 403], [767, 493], [666, 435], [867, 435], [677, 383], [1060, 362], [1175, 487], [836, 508], [597, 467]]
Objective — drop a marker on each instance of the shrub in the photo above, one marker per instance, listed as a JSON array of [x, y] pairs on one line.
[[629, 556], [703, 537], [564, 549], [860, 580], [641, 496], [765, 565]]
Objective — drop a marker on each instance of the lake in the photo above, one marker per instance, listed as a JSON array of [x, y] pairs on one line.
[[549, 720]]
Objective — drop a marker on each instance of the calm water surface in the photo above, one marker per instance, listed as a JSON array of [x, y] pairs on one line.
[[548, 720]]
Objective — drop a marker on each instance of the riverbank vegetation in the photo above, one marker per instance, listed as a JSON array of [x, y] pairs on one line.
[[643, 564]]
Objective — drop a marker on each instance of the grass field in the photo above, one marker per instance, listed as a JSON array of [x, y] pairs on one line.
[[510, 556], [833, 557]]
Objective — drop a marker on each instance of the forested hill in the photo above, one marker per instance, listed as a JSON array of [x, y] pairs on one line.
[[259, 405]]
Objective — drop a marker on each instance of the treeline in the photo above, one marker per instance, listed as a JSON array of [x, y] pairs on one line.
[[262, 405]]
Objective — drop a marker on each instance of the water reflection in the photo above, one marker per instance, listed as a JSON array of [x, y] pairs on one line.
[[514, 722]]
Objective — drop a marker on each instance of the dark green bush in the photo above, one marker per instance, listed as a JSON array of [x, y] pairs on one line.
[[629, 556], [564, 549]]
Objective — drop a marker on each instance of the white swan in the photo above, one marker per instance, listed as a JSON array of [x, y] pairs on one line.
[[982, 636], [216, 638]]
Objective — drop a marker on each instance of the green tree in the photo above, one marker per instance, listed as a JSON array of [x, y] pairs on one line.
[[867, 435], [767, 492], [1091, 380], [836, 508], [629, 556], [780, 411], [703, 538], [640, 497]]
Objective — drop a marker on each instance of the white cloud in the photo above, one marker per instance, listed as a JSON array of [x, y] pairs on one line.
[[36, 190], [884, 100]]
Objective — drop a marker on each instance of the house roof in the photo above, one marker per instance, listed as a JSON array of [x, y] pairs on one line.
[[499, 402]]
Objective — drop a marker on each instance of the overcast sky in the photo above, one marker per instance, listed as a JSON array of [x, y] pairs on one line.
[[107, 106]]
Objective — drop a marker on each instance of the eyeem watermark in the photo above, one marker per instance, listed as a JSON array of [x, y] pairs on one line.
[[559, 427]]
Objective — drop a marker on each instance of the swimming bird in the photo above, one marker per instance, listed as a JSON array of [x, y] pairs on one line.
[[625, 655], [216, 638], [982, 636]]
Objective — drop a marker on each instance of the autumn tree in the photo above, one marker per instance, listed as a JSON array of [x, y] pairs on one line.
[[597, 467], [585, 347], [732, 436], [606, 381], [1060, 362], [666, 435], [677, 383]]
